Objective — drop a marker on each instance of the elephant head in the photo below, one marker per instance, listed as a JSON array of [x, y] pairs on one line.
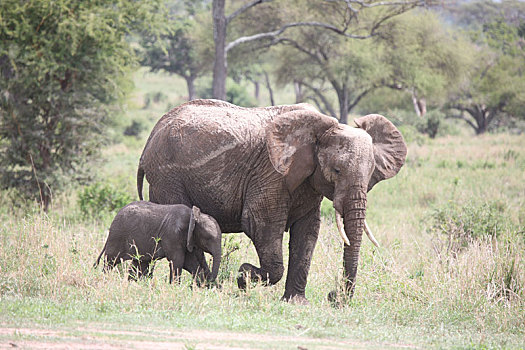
[[341, 162], [205, 233]]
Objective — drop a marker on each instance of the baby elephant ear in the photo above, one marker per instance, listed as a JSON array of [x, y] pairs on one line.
[[194, 217], [390, 150]]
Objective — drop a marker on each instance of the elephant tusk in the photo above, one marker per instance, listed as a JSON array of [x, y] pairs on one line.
[[370, 235], [339, 222]]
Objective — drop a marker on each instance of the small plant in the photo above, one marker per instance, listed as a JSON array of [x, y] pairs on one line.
[[99, 199], [511, 155], [230, 261]]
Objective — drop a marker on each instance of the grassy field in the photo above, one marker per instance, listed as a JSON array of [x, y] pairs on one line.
[[450, 272]]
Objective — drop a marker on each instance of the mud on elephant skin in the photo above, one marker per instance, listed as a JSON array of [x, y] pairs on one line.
[[145, 232], [265, 170]]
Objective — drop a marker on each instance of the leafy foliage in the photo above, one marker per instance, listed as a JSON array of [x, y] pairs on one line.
[[176, 47], [494, 90], [61, 64], [235, 93], [99, 200], [461, 225]]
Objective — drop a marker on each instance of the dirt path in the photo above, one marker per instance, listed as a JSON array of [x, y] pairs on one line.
[[99, 338]]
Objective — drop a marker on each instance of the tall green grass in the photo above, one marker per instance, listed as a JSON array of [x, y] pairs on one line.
[[450, 272]]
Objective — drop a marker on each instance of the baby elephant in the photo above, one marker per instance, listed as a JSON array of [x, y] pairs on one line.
[[145, 231]]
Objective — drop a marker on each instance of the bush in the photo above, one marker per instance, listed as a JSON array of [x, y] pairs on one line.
[[154, 97], [430, 123], [235, 93], [99, 199], [135, 128], [461, 225]]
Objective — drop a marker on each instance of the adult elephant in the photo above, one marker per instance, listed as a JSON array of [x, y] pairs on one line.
[[263, 171]]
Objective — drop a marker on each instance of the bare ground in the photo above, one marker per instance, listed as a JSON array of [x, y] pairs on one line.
[[100, 338]]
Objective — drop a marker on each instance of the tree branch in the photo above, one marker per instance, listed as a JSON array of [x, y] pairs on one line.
[[297, 46], [323, 98], [278, 32], [461, 116], [387, 3], [359, 97], [244, 8]]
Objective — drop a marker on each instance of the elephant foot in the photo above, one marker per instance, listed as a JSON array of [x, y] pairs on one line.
[[296, 299]]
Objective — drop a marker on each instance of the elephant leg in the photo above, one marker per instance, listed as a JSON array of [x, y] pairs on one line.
[[193, 266], [303, 237], [270, 251], [139, 269]]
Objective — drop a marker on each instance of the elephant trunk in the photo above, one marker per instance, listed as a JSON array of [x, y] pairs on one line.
[[216, 263], [354, 223]]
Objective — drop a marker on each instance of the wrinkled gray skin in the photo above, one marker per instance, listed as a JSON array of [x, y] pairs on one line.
[[154, 231], [265, 170]]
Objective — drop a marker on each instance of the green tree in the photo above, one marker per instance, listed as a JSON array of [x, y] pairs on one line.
[[335, 67], [332, 72], [495, 88], [62, 63], [355, 19], [423, 58], [177, 49]]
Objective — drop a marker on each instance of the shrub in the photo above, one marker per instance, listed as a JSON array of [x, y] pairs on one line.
[[154, 97], [100, 199], [231, 259], [430, 123], [235, 93], [460, 225], [135, 128]]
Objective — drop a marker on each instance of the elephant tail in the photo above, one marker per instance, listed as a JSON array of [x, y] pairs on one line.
[[140, 181], [100, 255]]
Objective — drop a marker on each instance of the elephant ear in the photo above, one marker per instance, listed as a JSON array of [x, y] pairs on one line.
[[390, 149], [194, 218], [291, 139]]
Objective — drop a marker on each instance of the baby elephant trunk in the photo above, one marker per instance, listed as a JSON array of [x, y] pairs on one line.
[[216, 263]]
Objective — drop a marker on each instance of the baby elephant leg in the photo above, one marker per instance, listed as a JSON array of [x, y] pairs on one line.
[[195, 263], [176, 264], [139, 269]]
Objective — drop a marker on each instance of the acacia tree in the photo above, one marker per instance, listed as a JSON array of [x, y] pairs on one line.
[[424, 59], [296, 14], [333, 73], [495, 86], [62, 62], [178, 48]]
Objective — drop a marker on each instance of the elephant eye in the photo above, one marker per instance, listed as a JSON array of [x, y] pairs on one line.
[[337, 170]]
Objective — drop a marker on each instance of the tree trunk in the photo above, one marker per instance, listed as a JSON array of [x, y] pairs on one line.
[[416, 104], [257, 91], [422, 104], [342, 96], [269, 87], [220, 67], [480, 115], [481, 119], [298, 92], [190, 82]]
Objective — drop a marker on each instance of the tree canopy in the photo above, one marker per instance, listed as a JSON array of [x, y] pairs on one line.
[[62, 63]]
